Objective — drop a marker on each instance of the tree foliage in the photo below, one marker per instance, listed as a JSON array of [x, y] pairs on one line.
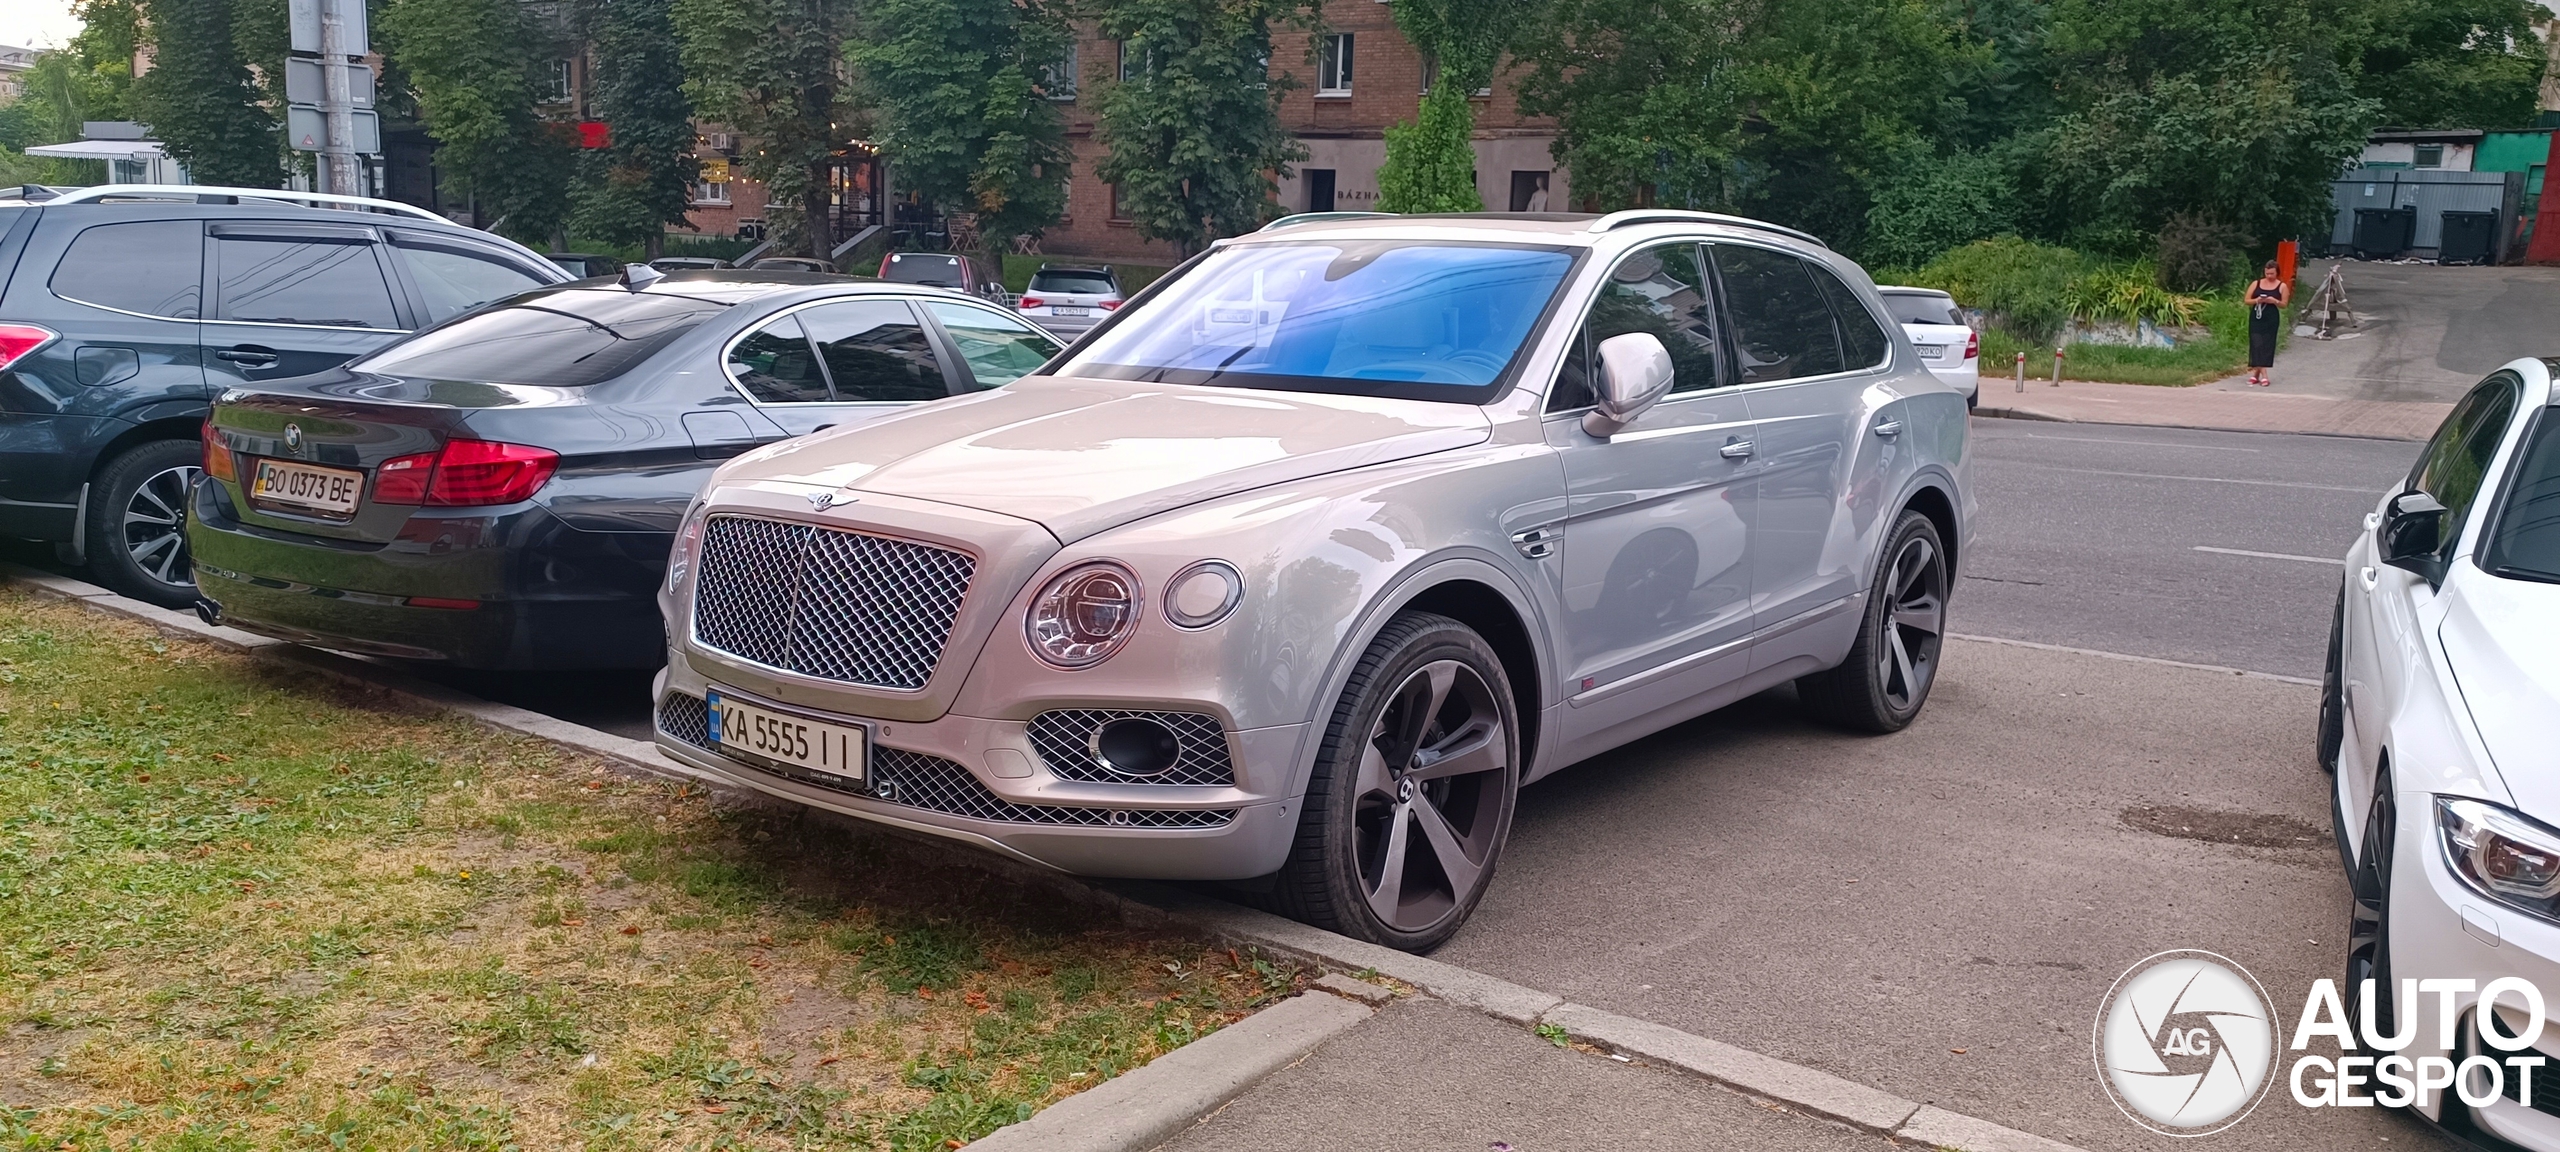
[[90, 78], [630, 190], [2449, 63], [1430, 165], [962, 107], [768, 70], [473, 67], [199, 98], [1194, 131]]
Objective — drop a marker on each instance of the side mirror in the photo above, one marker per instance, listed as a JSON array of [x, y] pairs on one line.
[[1635, 372], [2413, 535]]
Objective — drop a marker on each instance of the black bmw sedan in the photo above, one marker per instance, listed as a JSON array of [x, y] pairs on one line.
[[500, 491]]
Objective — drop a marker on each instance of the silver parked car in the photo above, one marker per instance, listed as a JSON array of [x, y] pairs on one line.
[[1070, 299], [1301, 565]]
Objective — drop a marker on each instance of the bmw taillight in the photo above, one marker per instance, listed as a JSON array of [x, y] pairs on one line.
[[465, 474], [1972, 345], [217, 456], [1031, 302], [17, 340]]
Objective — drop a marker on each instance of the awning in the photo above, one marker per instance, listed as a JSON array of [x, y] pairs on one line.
[[100, 150]]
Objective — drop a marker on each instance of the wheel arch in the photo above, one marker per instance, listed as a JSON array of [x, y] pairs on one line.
[[165, 426], [1930, 499]]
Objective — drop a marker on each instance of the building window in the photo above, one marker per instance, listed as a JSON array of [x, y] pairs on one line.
[[559, 93], [1058, 80], [2430, 155], [1119, 211], [1136, 60], [708, 192], [1431, 76], [1333, 65]]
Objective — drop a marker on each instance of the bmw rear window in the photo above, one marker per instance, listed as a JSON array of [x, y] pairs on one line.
[[923, 268], [558, 339]]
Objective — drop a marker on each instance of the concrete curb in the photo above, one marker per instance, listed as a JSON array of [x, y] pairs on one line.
[[1156, 1102], [2048, 418], [1152, 1104]]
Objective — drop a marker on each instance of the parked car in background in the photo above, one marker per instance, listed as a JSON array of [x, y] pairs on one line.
[[1301, 570], [1950, 347], [794, 264], [1070, 299], [2439, 714], [940, 269], [584, 265], [126, 308], [500, 491], [688, 264]]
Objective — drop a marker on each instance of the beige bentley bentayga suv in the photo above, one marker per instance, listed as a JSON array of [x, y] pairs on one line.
[[1296, 569]]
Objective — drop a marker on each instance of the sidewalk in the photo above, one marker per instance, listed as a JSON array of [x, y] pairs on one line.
[[2229, 405]]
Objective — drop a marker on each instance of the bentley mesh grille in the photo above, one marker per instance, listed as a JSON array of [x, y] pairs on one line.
[[934, 784], [1064, 740], [825, 602]]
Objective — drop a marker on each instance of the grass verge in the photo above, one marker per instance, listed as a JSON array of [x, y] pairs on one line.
[[2223, 355], [243, 910]]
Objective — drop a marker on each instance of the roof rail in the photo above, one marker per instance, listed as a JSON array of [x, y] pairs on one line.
[[1319, 218], [1633, 216], [195, 191]]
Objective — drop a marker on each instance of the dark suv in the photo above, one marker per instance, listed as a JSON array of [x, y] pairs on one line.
[[125, 309]]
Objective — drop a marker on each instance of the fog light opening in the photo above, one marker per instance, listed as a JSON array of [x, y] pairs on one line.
[[1135, 746]]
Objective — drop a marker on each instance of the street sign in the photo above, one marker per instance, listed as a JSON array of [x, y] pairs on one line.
[[307, 129], [304, 17], [306, 83]]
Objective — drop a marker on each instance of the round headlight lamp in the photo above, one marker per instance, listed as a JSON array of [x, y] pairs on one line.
[[1084, 614], [1202, 594]]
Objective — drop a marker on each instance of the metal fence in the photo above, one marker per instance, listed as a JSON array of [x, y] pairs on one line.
[[2432, 193]]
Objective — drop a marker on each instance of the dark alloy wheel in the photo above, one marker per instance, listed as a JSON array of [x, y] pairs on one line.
[[137, 530], [1413, 790], [1886, 678], [2369, 919], [2333, 699]]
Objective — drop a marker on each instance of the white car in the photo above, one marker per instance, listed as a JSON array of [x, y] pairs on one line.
[[2440, 716], [1948, 345]]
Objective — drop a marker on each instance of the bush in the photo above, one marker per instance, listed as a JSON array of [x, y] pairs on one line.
[[1931, 204], [2033, 290], [2195, 252]]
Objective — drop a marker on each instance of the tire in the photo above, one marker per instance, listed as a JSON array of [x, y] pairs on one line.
[[1886, 679], [1429, 693], [2333, 699], [2369, 918], [136, 531]]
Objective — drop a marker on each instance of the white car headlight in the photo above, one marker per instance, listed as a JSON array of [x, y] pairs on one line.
[[2504, 855], [1084, 614]]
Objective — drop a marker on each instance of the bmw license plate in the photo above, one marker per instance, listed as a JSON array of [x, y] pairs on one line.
[[328, 492], [762, 736], [1932, 351]]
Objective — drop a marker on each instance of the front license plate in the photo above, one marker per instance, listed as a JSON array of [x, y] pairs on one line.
[[760, 735], [1069, 310], [1932, 351], [329, 492]]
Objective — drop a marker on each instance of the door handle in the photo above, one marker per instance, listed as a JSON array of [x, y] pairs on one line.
[[1735, 449], [247, 357], [2367, 577], [1889, 428]]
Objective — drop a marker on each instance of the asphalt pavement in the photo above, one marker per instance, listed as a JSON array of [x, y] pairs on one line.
[[2428, 332]]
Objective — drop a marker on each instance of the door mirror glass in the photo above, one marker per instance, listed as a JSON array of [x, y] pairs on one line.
[[2413, 534], [1635, 371]]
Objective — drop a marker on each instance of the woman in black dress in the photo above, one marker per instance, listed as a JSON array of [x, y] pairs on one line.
[[2268, 296]]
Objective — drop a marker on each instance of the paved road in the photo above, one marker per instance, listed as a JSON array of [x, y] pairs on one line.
[[2429, 332]]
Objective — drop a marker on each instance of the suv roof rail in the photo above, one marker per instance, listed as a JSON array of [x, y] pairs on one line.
[[196, 192], [1634, 216], [1296, 218]]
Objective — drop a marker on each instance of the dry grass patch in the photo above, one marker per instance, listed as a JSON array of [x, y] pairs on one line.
[[243, 910]]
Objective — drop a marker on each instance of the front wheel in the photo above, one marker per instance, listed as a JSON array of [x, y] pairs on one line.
[[2333, 697], [137, 529], [2369, 920], [1890, 668], [1413, 789]]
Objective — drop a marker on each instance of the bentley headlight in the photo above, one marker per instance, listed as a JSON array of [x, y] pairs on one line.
[[1084, 614]]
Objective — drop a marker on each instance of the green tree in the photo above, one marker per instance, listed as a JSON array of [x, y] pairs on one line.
[[1431, 161], [1194, 131], [199, 98], [963, 114], [2450, 63], [768, 70], [472, 66], [640, 182]]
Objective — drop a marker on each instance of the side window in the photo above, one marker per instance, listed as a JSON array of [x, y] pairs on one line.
[[2458, 458], [1660, 290], [776, 365], [1781, 323], [301, 281], [153, 267], [999, 349], [876, 351], [452, 282], [1861, 338]]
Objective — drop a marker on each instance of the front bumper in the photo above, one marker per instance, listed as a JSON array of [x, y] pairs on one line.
[[985, 781]]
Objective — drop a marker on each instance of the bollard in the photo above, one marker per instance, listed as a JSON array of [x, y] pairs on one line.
[[2022, 371], [2057, 366]]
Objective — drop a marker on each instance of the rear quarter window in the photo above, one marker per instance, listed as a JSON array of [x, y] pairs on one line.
[[154, 267]]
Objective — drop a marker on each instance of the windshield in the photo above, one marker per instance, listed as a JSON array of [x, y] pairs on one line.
[[911, 268], [1913, 308], [2524, 542], [559, 339], [1420, 320]]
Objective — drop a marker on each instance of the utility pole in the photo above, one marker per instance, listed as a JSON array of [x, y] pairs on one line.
[[337, 103], [329, 91]]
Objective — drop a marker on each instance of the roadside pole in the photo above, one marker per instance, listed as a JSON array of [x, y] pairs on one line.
[[2022, 371], [338, 157], [329, 92]]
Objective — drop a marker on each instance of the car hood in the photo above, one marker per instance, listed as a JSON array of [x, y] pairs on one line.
[[1079, 455], [2497, 640]]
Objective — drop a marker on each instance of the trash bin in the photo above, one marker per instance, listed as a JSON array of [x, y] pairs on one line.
[[2382, 233], [2469, 237]]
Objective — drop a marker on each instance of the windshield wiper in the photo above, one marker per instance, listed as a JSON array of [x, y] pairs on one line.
[[2512, 572]]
